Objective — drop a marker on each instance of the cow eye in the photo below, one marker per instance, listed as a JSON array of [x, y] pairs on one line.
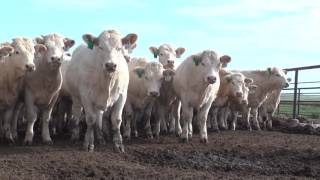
[[161, 54], [17, 52], [118, 49], [278, 75]]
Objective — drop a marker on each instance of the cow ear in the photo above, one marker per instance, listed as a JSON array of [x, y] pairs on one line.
[[154, 51], [39, 48], [130, 39], [196, 59], [39, 40], [139, 72], [5, 51], [224, 60], [252, 89], [248, 80], [180, 51], [269, 70], [68, 43], [228, 78], [90, 40]]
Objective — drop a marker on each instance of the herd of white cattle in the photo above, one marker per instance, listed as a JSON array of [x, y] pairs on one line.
[[113, 92]]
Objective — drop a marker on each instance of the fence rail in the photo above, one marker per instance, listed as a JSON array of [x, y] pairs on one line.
[[299, 102]]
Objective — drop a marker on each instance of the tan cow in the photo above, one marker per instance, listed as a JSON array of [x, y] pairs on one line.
[[43, 85], [266, 82], [196, 84], [12, 72]]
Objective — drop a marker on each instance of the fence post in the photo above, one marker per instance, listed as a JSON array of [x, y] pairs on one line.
[[298, 102], [294, 112]]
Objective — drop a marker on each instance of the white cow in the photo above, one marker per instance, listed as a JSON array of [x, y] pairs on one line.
[[232, 86], [144, 86], [12, 72], [167, 54], [196, 84], [43, 85], [266, 82], [98, 79]]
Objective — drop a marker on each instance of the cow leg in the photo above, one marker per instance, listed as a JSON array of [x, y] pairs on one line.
[[246, 117], [7, 125], [176, 115], [75, 129], [129, 115], [160, 118], [202, 118], [214, 121], [31, 116], [269, 121], [233, 123], [92, 116], [163, 123], [14, 123], [255, 118], [147, 127], [46, 139], [187, 114], [171, 120], [116, 120]]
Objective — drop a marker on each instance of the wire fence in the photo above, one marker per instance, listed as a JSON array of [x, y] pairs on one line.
[[304, 98]]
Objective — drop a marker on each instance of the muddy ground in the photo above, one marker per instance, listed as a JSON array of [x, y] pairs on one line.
[[228, 155]]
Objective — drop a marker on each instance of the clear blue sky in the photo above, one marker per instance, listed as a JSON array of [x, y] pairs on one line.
[[255, 33]]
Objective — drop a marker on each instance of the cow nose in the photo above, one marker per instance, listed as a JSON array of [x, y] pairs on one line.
[[154, 94], [111, 66], [287, 85], [211, 79], [55, 59], [170, 61], [30, 67], [239, 94]]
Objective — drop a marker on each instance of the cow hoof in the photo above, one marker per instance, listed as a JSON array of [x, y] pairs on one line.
[[204, 140], [27, 143], [135, 134], [118, 148], [47, 142], [149, 136], [156, 136], [101, 141], [184, 140]]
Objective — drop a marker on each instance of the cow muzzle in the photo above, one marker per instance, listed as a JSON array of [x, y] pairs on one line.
[[211, 79], [110, 67], [154, 94]]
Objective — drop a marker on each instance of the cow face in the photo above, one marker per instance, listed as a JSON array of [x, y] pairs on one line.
[[152, 76], [5, 51], [23, 55], [208, 65], [167, 54], [278, 76], [55, 48], [108, 47]]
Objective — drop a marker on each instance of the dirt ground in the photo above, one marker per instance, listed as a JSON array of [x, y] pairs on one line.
[[228, 155]]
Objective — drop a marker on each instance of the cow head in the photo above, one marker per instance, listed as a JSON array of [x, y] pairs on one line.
[[23, 54], [152, 75], [208, 65], [278, 76], [109, 47], [167, 54], [55, 48]]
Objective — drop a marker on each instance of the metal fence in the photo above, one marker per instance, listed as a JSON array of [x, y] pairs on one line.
[[304, 98]]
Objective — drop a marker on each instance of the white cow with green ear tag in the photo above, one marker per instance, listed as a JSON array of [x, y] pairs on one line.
[[144, 87], [167, 54], [97, 79], [196, 84]]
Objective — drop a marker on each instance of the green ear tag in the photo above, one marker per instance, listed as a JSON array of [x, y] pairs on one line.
[[90, 44], [196, 62], [140, 72], [224, 65]]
